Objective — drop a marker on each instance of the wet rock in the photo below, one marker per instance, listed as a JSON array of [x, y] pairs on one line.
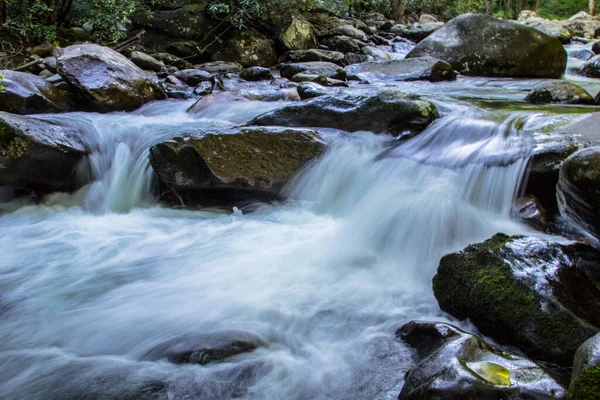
[[106, 80], [249, 48], [330, 70], [453, 364], [30, 94], [221, 67], [583, 54], [479, 45], [585, 377], [296, 33], [529, 210], [353, 58], [243, 95], [591, 67], [417, 32], [425, 68], [585, 129], [50, 64], [310, 90], [343, 44], [320, 79], [172, 61], [376, 53], [205, 348], [45, 74], [144, 61], [550, 28], [386, 111], [313, 55], [193, 77], [579, 191], [256, 74], [233, 167], [583, 27], [348, 31], [188, 22], [562, 92], [38, 155], [544, 168], [595, 47], [526, 292]]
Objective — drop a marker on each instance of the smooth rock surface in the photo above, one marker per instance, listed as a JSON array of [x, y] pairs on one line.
[[30, 94]]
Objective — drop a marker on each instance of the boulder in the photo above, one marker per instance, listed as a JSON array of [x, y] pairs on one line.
[[343, 44], [256, 74], [221, 67], [427, 19], [172, 61], [296, 33], [330, 70], [377, 53], [297, 56], [144, 61], [205, 348], [233, 167], [417, 32], [585, 377], [550, 28], [30, 94], [583, 27], [480, 45], [188, 22], [320, 79], [528, 210], [527, 14], [249, 48], [583, 54], [310, 90], [193, 77], [527, 292], [562, 92], [106, 80], [38, 155], [348, 31], [386, 111], [591, 67], [412, 69], [579, 191], [585, 129], [453, 364]]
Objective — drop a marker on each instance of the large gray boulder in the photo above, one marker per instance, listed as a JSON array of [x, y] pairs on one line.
[[480, 45], [189, 22], [579, 191], [562, 92], [453, 364], [29, 94], [411, 69], [380, 112], [105, 79], [38, 155], [550, 28], [531, 293], [233, 167], [249, 48]]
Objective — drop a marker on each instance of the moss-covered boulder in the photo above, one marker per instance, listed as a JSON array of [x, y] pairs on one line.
[[105, 80], [579, 191], [188, 22], [232, 167], [585, 376], [29, 94], [412, 69], [205, 348], [387, 111], [559, 92], [249, 48], [38, 155], [453, 364], [296, 33], [480, 45], [526, 292]]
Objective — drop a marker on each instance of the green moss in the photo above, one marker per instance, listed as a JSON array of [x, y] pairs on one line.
[[586, 386], [12, 146]]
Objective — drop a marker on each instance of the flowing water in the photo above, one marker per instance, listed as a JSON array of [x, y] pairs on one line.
[[92, 281]]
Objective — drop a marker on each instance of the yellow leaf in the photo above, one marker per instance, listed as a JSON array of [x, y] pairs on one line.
[[493, 373]]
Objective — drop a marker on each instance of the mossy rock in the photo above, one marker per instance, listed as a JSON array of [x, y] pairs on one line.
[[559, 92], [507, 286], [38, 155], [385, 111], [249, 48], [480, 45], [224, 168], [586, 386]]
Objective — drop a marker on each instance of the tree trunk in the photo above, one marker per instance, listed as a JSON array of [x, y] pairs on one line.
[[399, 8], [592, 7], [2, 11], [507, 9], [489, 9], [537, 5]]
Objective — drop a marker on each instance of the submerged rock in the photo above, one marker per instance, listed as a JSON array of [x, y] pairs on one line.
[[236, 166], [579, 191], [386, 111], [526, 292], [205, 348], [453, 364], [585, 377], [413, 69], [106, 80], [479, 45], [30, 94], [38, 155], [559, 92], [529, 210]]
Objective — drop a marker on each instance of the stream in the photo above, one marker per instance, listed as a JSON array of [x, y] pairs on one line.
[[91, 281]]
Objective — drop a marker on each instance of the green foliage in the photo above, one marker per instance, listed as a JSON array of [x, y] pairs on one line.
[[1, 79], [107, 16], [36, 22]]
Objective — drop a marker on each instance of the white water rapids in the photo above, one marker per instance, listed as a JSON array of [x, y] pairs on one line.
[[90, 282]]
